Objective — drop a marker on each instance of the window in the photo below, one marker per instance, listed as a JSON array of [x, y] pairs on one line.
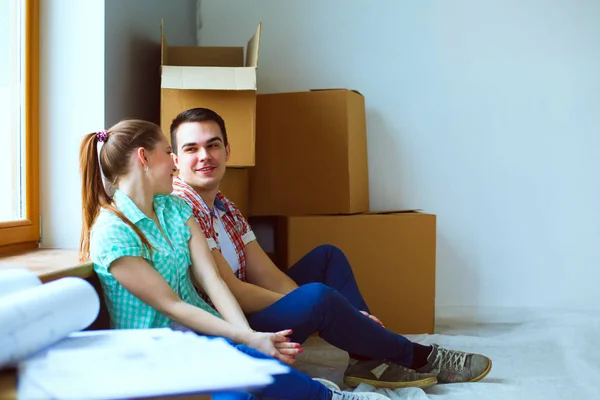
[[19, 160]]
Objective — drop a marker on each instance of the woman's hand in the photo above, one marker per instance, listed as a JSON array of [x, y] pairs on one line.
[[374, 318], [276, 345]]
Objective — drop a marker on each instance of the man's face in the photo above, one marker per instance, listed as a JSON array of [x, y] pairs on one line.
[[201, 154]]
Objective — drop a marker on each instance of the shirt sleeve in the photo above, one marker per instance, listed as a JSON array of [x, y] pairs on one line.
[[183, 207], [186, 211], [114, 241], [247, 232], [248, 237]]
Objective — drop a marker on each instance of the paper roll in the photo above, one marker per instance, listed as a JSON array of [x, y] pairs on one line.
[[34, 318], [15, 280]]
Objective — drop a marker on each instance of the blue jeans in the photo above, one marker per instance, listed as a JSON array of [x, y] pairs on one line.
[[293, 385], [328, 302]]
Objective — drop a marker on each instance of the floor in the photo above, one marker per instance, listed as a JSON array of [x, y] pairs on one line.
[[547, 355]]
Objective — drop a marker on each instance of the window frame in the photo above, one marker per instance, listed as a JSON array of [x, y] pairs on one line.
[[25, 233]]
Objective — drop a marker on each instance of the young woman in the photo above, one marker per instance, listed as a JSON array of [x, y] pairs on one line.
[[149, 252]]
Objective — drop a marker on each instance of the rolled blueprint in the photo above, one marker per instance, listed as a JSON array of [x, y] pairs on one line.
[[15, 280], [36, 317]]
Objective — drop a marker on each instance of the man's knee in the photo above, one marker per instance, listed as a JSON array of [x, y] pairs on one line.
[[315, 293], [329, 249]]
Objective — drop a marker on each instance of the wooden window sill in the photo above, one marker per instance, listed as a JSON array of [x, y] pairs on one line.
[[48, 264]]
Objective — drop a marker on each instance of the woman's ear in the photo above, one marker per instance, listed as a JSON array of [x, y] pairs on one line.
[[142, 156]]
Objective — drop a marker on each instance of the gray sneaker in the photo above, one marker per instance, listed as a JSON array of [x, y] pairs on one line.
[[454, 366], [386, 374]]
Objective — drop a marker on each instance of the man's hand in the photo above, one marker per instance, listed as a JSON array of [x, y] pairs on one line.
[[374, 318]]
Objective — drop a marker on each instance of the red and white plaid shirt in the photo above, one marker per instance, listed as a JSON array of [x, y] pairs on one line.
[[239, 231]]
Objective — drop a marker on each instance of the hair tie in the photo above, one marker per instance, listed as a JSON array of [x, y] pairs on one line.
[[102, 136]]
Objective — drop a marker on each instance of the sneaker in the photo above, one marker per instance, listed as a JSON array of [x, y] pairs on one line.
[[339, 395], [454, 366], [386, 374]]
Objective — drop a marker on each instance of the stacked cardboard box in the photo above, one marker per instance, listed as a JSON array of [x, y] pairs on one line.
[[310, 184], [299, 166]]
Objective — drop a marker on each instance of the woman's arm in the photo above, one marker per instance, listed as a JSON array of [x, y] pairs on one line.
[[145, 283], [206, 274]]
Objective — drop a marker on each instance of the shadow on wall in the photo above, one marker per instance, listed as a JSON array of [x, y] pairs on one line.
[[145, 78], [135, 85], [389, 165]]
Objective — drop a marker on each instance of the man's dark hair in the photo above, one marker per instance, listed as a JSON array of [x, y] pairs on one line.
[[196, 115]]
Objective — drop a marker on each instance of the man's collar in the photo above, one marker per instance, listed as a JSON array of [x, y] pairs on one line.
[[219, 204], [181, 185]]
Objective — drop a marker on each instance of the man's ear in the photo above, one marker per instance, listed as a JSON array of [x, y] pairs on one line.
[[227, 152], [175, 160]]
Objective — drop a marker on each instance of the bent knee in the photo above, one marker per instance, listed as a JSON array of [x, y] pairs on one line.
[[315, 292], [329, 248]]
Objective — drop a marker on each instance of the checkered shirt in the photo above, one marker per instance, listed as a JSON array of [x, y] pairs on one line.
[[235, 224], [111, 239]]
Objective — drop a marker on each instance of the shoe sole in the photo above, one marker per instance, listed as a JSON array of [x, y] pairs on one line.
[[422, 383], [483, 375]]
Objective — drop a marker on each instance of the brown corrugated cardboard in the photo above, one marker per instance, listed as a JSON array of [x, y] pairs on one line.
[[392, 255], [311, 154], [236, 187], [217, 78]]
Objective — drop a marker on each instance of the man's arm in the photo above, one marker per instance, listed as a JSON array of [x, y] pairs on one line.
[[261, 271], [251, 298]]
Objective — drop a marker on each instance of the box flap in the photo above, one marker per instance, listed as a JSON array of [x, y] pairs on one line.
[[208, 78], [332, 89], [164, 48], [186, 56], [405, 211], [252, 48]]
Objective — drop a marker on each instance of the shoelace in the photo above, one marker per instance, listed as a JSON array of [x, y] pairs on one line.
[[449, 359]]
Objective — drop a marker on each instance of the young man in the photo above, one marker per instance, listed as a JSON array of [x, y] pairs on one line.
[[318, 294]]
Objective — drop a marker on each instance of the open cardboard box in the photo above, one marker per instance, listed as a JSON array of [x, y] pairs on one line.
[[219, 78]]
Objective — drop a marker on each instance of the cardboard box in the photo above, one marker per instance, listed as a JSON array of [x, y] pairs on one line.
[[393, 257], [311, 154], [217, 78], [236, 187]]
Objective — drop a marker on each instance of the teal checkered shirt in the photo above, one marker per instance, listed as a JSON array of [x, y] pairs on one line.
[[111, 239]]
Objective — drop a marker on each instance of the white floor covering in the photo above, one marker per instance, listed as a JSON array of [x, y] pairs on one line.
[[547, 355]]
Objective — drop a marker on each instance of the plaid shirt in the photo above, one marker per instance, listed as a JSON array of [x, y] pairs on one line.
[[235, 224], [111, 239]]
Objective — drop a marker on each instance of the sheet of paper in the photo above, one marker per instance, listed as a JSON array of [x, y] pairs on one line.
[[15, 280], [140, 363], [37, 317]]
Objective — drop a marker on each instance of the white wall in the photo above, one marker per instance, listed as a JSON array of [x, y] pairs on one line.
[[71, 104], [484, 113], [99, 63]]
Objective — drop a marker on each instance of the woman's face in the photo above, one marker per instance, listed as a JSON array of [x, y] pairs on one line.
[[161, 168]]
